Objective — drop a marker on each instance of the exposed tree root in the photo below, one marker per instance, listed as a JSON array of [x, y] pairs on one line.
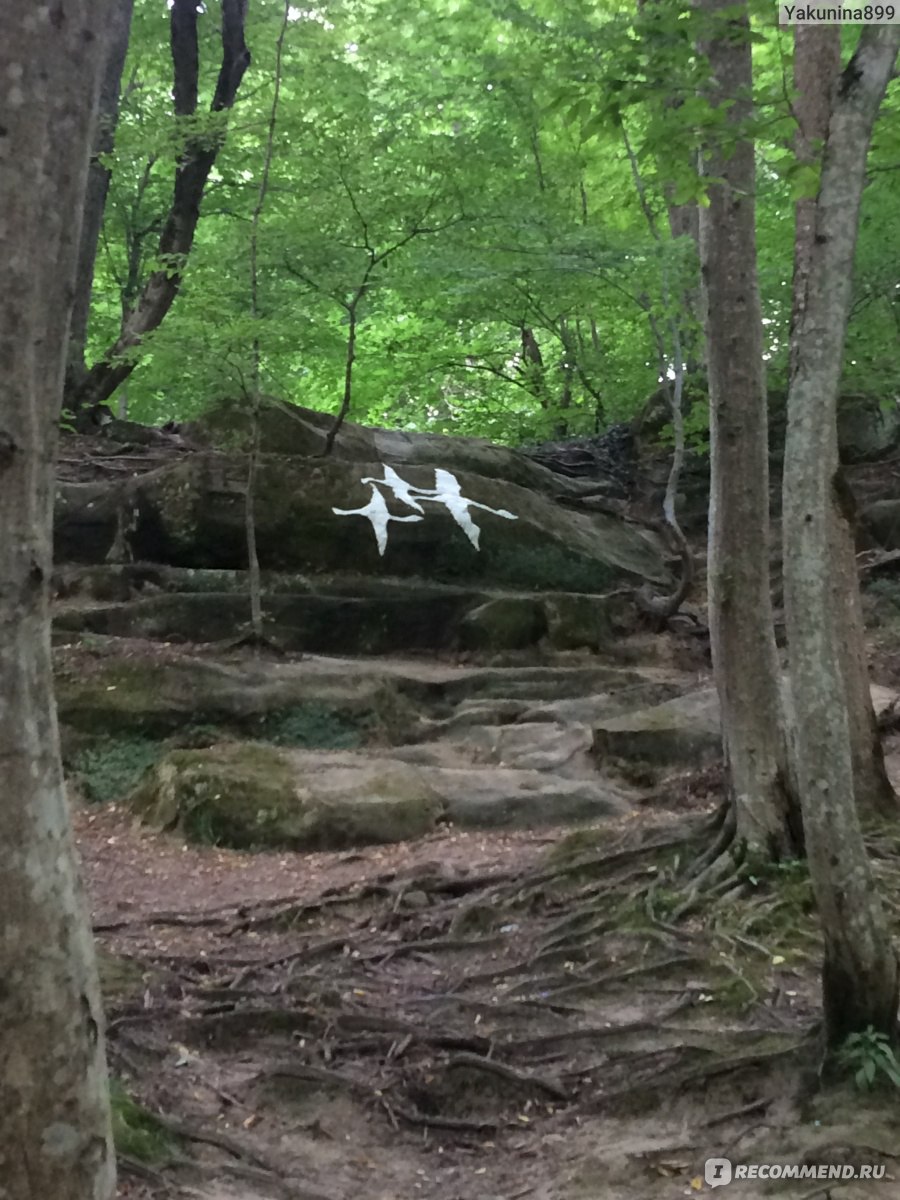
[[607, 978], [433, 945], [141, 1170], [745, 1110], [531, 1045], [715, 880], [678, 1075], [724, 826], [738, 1062], [222, 1141], [252, 640], [505, 1071], [410, 1116], [241, 1170], [369, 999]]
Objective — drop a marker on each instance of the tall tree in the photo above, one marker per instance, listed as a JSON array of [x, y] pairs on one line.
[[254, 580], [745, 658], [817, 66], [201, 148], [660, 23], [860, 973], [54, 1116], [98, 185], [668, 335]]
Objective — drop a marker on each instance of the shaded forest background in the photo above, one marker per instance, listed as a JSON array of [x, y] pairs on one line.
[[499, 200]]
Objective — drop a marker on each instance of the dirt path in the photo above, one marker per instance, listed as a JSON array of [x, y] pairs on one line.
[[133, 873], [462, 1018]]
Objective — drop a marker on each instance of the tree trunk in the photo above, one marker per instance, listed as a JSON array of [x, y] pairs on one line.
[[745, 658], [567, 361], [817, 64], [873, 791], [684, 221], [192, 172], [860, 974], [254, 579], [533, 366], [54, 1117], [97, 188]]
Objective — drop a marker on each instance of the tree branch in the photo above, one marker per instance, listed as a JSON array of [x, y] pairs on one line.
[[192, 172]]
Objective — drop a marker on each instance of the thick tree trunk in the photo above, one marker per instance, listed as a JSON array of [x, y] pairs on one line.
[[860, 976], [745, 658], [97, 188], [54, 1117], [191, 175], [817, 64]]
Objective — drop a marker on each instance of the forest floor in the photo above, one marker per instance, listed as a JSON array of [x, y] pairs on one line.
[[542, 1015], [509, 1016]]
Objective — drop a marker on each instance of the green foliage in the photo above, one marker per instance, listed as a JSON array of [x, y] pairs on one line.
[[886, 589], [782, 916], [136, 1131], [695, 407], [461, 169], [202, 826], [882, 603], [313, 726], [111, 766], [870, 1058], [787, 875]]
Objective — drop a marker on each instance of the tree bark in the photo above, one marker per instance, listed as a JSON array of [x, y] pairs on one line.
[[745, 659], [860, 973], [567, 360], [254, 579], [670, 358], [873, 791], [533, 367], [191, 175], [817, 64], [54, 1118], [97, 187], [684, 221]]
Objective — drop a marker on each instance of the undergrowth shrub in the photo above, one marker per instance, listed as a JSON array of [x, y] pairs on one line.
[[311, 726], [111, 766], [136, 1131]]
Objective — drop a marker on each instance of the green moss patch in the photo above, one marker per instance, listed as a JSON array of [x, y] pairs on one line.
[[136, 1131], [251, 796], [314, 726], [110, 767]]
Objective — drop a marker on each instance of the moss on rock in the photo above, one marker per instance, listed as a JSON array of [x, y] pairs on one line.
[[505, 623], [576, 621], [252, 796]]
